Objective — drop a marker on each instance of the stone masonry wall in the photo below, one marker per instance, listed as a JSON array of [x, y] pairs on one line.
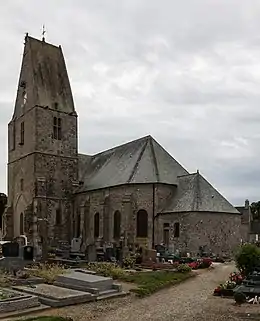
[[219, 232], [127, 199], [20, 197]]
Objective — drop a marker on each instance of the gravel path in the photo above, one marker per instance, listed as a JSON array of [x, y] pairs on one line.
[[191, 300]]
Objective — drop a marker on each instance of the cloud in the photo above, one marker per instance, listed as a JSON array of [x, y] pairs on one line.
[[188, 73]]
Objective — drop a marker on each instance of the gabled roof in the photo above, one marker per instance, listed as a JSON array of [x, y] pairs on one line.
[[196, 194], [139, 161]]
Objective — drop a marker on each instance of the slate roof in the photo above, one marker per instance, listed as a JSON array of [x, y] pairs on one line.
[[44, 70], [196, 194], [139, 161]]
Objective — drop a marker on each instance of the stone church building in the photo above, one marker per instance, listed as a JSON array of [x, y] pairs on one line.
[[136, 192]]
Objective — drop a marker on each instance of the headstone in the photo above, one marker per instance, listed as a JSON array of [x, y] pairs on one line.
[[75, 244], [28, 253], [91, 253], [109, 254], [10, 249], [149, 255], [63, 249]]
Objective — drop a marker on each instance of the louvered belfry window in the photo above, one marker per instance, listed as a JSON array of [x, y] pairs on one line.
[[57, 128]]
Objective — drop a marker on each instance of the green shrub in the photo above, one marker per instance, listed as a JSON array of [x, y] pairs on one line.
[[240, 297], [129, 262], [48, 272], [247, 258], [5, 279], [106, 269], [183, 268]]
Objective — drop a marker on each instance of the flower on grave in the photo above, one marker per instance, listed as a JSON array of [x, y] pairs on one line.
[[217, 291], [194, 265], [236, 277]]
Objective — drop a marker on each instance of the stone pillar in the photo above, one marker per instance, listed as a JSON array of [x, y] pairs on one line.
[[87, 226], [35, 227], [106, 220], [129, 222], [8, 223]]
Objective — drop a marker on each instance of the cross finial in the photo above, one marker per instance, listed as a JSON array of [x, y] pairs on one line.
[[43, 32]]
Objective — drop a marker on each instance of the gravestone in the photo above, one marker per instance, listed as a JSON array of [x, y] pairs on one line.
[[250, 286], [63, 249], [28, 252], [91, 253], [80, 280], [55, 296], [16, 301], [10, 249], [75, 244], [109, 254]]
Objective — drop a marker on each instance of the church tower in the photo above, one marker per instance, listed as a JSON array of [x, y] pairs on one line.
[[42, 144]]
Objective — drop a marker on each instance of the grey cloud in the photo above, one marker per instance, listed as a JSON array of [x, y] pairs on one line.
[[186, 72]]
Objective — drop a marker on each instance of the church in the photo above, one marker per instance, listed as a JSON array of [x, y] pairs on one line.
[[136, 192]]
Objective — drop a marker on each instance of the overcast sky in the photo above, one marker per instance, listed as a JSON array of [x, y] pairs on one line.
[[186, 72]]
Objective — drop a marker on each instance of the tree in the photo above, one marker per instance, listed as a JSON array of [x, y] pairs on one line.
[[255, 210], [247, 258]]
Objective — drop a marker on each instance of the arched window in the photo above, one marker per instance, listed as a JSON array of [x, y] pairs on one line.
[[142, 224], [21, 224], [58, 216], [117, 224], [96, 225], [166, 234], [176, 229]]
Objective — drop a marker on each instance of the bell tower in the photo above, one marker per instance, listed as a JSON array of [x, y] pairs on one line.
[[42, 142]]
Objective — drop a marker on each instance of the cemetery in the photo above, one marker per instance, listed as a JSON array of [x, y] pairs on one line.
[[243, 285], [27, 282]]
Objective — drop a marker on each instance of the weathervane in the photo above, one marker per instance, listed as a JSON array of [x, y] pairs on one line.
[[43, 33]]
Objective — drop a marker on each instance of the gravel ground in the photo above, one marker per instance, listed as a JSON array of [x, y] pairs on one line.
[[191, 300]]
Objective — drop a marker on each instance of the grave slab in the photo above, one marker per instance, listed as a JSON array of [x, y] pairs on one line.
[[102, 287], [82, 280], [55, 296], [12, 300]]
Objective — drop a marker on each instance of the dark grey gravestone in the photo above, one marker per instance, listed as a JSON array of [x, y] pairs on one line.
[[10, 249], [91, 253], [28, 252]]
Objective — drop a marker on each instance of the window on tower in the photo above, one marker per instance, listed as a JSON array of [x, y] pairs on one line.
[[57, 128], [58, 216], [22, 134]]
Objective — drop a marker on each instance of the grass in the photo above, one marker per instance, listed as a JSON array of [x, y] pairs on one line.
[[147, 282], [150, 282]]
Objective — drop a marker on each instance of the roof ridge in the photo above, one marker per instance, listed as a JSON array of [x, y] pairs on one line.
[[121, 145], [137, 162], [154, 160]]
